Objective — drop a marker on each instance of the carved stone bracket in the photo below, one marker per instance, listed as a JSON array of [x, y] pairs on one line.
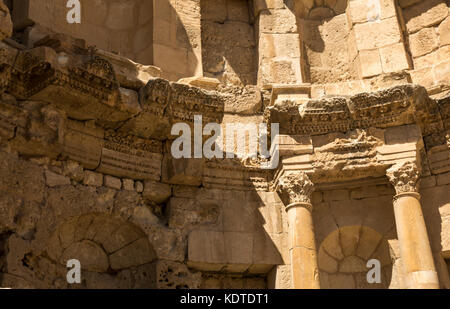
[[295, 187], [404, 176]]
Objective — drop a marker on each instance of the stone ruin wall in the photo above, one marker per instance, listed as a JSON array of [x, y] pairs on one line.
[[85, 145]]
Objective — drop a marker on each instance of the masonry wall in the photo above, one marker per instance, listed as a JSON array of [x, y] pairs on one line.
[[122, 27], [427, 28], [150, 232], [177, 38], [228, 41]]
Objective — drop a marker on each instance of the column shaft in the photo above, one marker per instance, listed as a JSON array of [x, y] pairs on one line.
[[302, 247], [415, 247]]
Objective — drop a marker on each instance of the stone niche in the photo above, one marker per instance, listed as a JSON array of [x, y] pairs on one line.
[[326, 37]]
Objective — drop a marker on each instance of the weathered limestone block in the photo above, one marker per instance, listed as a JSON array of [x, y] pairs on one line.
[[269, 249], [55, 180], [171, 275], [88, 84], [182, 171], [127, 162], [156, 192], [6, 26], [249, 101], [73, 170], [425, 14], [130, 101], [206, 83], [187, 213], [169, 244], [165, 103], [128, 184], [370, 63], [130, 74], [277, 21], [93, 179], [214, 251], [376, 35], [394, 58], [113, 182], [423, 42], [83, 144]]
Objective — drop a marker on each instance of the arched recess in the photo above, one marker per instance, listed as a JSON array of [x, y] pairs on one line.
[[344, 254], [113, 253]]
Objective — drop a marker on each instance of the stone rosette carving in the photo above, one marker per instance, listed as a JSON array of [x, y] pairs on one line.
[[295, 188], [405, 177]]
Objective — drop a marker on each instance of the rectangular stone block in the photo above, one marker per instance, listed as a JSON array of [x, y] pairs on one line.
[[423, 77], [394, 58], [373, 35], [277, 21], [370, 63], [279, 45], [206, 250], [402, 135], [425, 14], [423, 42], [124, 162], [239, 250], [268, 250], [83, 144]]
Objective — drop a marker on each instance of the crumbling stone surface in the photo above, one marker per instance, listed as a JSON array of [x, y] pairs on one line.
[[360, 92]]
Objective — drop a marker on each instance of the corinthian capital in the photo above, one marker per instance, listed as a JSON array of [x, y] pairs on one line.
[[404, 177], [295, 187]]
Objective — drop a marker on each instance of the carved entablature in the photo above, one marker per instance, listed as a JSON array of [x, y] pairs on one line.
[[232, 174], [404, 177], [36, 70], [295, 187], [181, 102], [400, 105]]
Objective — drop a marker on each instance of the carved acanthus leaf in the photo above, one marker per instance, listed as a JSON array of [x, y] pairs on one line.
[[295, 188], [404, 177]]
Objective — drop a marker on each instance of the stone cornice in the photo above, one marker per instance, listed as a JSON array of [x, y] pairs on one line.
[[400, 105]]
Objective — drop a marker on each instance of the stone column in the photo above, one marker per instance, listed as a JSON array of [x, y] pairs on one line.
[[415, 249], [295, 190]]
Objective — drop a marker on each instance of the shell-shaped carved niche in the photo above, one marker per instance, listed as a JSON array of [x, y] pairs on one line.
[[101, 243], [344, 255]]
